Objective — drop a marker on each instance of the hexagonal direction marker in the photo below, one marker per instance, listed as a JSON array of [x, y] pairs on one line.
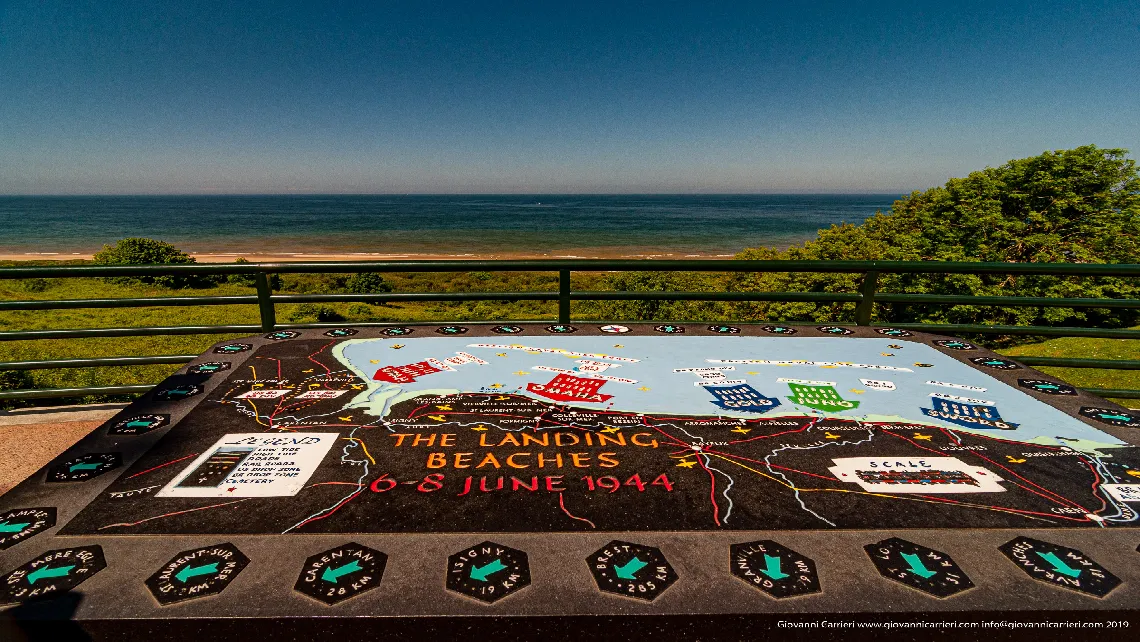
[[197, 573], [84, 467], [774, 569], [340, 573], [138, 425], [20, 524], [930, 571], [1060, 566], [50, 573], [632, 570], [209, 367], [488, 572]]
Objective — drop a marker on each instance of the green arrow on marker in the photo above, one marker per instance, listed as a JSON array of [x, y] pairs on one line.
[[83, 466], [917, 567], [627, 571], [331, 574], [773, 568], [1059, 565], [6, 527], [481, 572], [194, 571], [138, 424], [1119, 417], [45, 572]]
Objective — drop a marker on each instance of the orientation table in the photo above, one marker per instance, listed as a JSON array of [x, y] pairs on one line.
[[479, 471]]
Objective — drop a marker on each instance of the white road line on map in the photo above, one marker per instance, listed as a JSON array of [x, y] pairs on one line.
[[795, 488], [359, 481], [731, 483]]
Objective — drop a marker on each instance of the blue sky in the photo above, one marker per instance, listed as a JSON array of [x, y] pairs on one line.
[[441, 97]]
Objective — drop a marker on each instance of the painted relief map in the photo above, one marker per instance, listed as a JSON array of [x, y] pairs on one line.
[[436, 431]]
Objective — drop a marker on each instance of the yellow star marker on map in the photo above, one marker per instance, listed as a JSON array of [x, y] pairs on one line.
[[610, 429], [358, 386], [443, 407], [1014, 460], [857, 391], [479, 428], [921, 436], [500, 354], [688, 463], [643, 389], [437, 417], [830, 436], [1134, 473], [496, 385], [618, 345], [345, 418], [373, 361], [742, 430], [502, 398], [397, 346], [753, 372], [522, 372], [307, 371], [887, 354]]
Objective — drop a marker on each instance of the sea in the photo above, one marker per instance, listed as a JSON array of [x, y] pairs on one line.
[[425, 225]]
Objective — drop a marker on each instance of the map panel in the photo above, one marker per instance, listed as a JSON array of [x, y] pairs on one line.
[[451, 432]]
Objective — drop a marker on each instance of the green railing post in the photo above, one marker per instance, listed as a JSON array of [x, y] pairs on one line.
[[564, 296], [265, 302], [867, 303]]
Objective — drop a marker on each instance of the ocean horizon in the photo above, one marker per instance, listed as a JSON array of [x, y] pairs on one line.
[[452, 225]]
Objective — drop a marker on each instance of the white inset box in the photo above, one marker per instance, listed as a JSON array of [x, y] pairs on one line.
[[878, 385], [253, 465], [926, 475], [1123, 492], [321, 394], [263, 394]]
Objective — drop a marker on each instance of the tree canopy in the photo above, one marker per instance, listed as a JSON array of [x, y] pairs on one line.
[[1074, 206]]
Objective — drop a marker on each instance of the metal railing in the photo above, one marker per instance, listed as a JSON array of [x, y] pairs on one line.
[[865, 300]]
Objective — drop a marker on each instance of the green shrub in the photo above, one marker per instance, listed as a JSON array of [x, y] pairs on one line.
[[361, 312], [309, 313], [14, 380], [143, 251], [367, 283], [33, 285], [250, 280]]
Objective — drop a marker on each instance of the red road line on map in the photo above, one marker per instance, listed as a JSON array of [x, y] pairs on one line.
[[1096, 481], [1056, 498], [335, 508], [712, 491], [161, 465], [310, 357], [562, 505], [802, 472], [777, 434], [757, 461], [1005, 509], [181, 512]]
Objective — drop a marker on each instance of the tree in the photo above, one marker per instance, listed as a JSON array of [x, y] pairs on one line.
[[1074, 206], [367, 283], [144, 251]]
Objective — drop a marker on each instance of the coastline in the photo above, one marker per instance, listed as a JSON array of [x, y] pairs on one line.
[[294, 257]]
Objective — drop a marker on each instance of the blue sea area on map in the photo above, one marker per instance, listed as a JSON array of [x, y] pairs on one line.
[[660, 390]]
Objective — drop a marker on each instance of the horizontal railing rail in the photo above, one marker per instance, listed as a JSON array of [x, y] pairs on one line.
[[865, 300]]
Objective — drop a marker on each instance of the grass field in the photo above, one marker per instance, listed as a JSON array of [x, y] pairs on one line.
[[39, 289]]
